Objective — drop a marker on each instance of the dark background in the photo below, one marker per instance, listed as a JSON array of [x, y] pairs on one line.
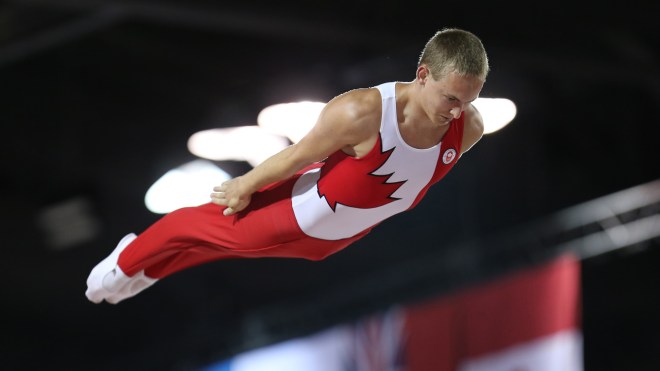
[[98, 99]]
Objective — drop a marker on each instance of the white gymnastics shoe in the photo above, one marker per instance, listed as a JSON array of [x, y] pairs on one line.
[[124, 287], [96, 291]]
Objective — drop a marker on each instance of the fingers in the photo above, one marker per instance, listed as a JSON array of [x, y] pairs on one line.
[[221, 188], [218, 195], [219, 198], [228, 194], [233, 205]]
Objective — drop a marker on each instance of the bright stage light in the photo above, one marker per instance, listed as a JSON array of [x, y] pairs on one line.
[[243, 143], [187, 185], [496, 112], [292, 120]]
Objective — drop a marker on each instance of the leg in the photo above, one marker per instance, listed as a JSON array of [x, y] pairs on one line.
[[170, 245], [192, 236], [196, 235]]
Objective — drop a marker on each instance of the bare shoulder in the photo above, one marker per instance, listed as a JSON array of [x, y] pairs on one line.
[[473, 128], [357, 111], [357, 104], [349, 122]]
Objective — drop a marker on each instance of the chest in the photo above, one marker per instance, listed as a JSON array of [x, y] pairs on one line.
[[422, 137]]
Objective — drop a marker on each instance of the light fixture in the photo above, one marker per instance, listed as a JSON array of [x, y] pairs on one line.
[[292, 120], [187, 185], [242, 143], [496, 112]]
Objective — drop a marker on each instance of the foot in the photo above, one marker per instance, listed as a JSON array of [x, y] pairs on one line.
[[124, 287], [96, 290]]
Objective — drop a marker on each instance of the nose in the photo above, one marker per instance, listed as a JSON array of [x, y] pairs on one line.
[[456, 111]]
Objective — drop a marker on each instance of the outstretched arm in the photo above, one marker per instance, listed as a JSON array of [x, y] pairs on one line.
[[344, 123]]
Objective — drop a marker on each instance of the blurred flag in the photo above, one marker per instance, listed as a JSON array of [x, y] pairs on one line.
[[528, 321]]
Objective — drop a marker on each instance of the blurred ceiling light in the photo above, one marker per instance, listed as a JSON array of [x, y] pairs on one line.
[[69, 223], [496, 112], [243, 143], [292, 120], [187, 185]]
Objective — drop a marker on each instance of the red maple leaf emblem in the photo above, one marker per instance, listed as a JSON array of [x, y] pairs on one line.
[[352, 182]]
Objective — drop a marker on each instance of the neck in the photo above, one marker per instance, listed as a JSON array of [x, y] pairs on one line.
[[409, 109]]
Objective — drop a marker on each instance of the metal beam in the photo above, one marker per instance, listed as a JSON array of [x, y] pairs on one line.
[[59, 35], [227, 20]]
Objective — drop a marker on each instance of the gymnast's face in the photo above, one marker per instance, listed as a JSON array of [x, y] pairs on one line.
[[446, 98]]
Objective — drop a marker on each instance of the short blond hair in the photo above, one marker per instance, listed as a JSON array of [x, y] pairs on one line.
[[455, 50]]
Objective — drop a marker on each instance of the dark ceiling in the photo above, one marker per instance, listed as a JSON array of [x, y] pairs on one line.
[[98, 99]]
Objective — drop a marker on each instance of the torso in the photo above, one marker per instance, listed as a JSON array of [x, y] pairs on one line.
[[421, 137], [348, 195], [416, 133]]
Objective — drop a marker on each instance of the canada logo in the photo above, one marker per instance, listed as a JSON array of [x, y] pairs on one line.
[[448, 156], [363, 177]]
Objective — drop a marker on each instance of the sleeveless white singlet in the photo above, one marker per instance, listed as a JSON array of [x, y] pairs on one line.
[[348, 195]]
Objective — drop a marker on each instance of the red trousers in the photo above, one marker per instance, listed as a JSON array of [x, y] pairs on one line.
[[196, 235]]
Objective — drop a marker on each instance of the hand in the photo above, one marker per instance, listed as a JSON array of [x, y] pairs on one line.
[[232, 195]]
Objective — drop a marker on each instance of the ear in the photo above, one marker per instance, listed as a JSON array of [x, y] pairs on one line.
[[423, 73]]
